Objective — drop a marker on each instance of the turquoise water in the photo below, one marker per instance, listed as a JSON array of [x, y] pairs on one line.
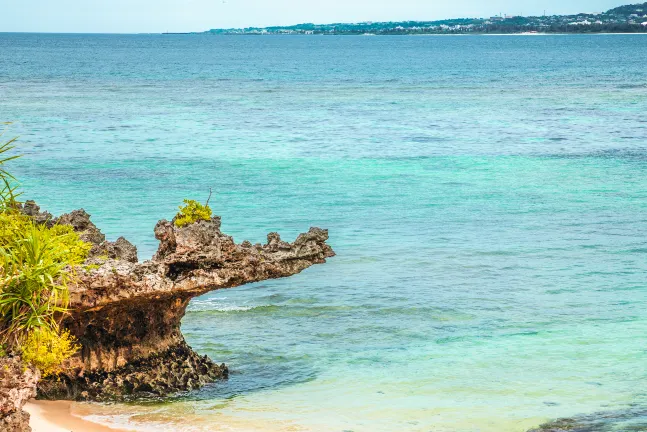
[[486, 197]]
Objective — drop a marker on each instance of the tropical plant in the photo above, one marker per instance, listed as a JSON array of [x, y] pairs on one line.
[[192, 212], [45, 348], [8, 187], [5, 148], [36, 264], [35, 268]]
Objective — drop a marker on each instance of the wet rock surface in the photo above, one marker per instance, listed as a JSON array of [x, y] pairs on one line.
[[176, 369], [633, 419], [126, 314], [17, 386]]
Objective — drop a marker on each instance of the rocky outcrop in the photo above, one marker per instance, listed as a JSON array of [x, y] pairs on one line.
[[127, 314], [121, 249], [176, 369], [632, 418], [80, 221], [31, 209], [17, 386]]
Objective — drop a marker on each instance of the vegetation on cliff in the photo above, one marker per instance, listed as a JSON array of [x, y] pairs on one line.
[[37, 261], [191, 212]]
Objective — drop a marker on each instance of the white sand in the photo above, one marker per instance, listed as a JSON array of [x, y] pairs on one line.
[[57, 417]]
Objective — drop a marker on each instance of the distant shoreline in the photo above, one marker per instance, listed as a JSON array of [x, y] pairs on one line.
[[630, 18], [390, 35]]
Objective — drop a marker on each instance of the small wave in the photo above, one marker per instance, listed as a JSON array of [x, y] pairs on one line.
[[617, 153], [125, 421], [631, 86], [214, 307], [235, 308], [426, 139]]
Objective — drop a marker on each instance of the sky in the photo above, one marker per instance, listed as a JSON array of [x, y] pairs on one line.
[[155, 16]]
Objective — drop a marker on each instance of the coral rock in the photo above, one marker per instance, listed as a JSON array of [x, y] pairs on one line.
[[121, 249], [127, 314], [17, 386], [30, 208], [80, 221]]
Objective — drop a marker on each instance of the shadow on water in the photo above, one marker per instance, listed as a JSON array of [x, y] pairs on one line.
[[630, 420]]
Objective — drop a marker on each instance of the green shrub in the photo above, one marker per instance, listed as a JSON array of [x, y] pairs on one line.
[[47, 349], [34, 271], [36, 264], [192, 212]]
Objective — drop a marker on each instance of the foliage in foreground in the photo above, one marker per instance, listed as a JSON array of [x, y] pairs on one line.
[[8, 188], [46, 349], [36, 264], [192, 212]]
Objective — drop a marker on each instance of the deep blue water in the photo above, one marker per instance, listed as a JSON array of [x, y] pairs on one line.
[[486, 197]]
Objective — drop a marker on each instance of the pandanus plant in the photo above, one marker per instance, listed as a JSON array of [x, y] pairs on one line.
[[36, 264], [8, 191]]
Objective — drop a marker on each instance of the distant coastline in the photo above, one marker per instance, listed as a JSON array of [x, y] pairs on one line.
[[622, 19]]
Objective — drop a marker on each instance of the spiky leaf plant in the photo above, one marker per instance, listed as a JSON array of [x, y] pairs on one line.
[[8, 186], [36, 264]]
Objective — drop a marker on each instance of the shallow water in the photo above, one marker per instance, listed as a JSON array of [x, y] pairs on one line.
[[485, 197]]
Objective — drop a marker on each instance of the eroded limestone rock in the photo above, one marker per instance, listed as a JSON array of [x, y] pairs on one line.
[[127, 314], [632, 418], [30, 208], [17, 386], [176, 369], [80, 221], [101, 250], [121, 250]]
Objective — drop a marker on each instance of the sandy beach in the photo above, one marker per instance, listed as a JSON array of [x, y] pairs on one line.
[[56, 416]]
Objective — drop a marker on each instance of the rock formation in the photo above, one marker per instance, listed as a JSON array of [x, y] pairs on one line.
[[631, 418], [17, 386], [126, 314]]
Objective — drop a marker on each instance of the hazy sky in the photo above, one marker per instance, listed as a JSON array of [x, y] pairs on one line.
[[134, 16]]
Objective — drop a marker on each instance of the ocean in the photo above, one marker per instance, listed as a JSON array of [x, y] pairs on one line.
[[486, 197]]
